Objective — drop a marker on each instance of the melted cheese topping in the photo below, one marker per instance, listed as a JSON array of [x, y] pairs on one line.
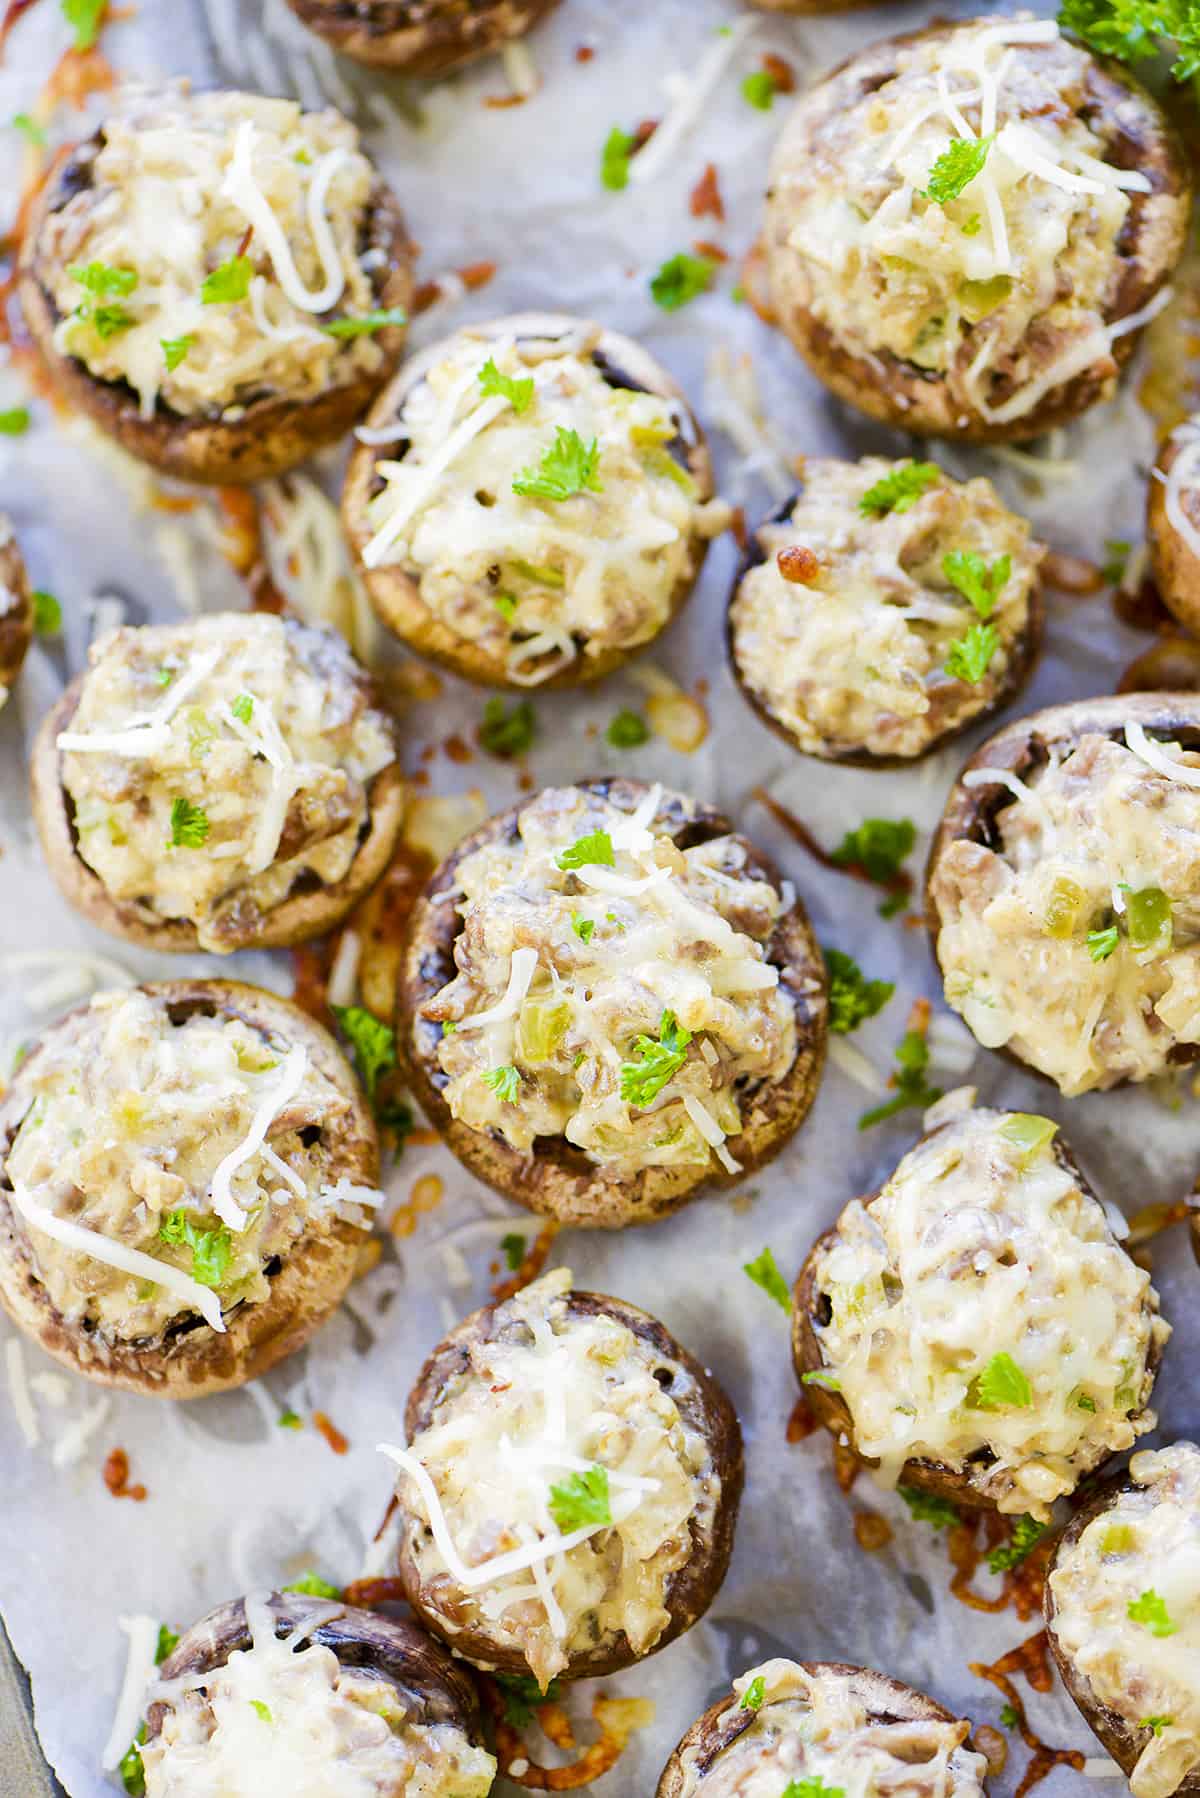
[[1147, 1541], [179, 181], [982, 1244], [261, 724], [854, 658], [547, 1399], [127, 1120], [666, 930], [823, 1727], [283, 1716], [537, 581], [1096, 839], [1001, 285]]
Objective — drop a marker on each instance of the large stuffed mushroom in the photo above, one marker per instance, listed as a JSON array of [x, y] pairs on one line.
[[567, 1499], [187, 1177], [16, 609], [609, 1000], [219, 280], [420, 37], [535, 503], [227, 783], [967, 225], [975, 1328], [304, 1696]]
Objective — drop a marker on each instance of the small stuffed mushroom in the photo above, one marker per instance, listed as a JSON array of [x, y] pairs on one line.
[[187, 1172], [1123, 1608], [226, 783], [540, 505], [218, 280], [824, 1727], [16, 609], [884, 609], [1173, 524], [299, 1695], [567, 1499], [608, 1001], [967, 226], [420, 37], [1063, 893], [975, 1328]]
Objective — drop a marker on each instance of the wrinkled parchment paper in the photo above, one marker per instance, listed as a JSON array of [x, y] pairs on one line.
[[234, 1500]]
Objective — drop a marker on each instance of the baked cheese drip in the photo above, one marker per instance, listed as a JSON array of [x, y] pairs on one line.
[[164, 1161], [212, 765], [538, 580], [1004, 287], [823, 1729], [550, 1402], [625, 1003], [218, 232], [983, 1316], [1076, 941], [852, 656], [1127, 1598], [286, 1716]]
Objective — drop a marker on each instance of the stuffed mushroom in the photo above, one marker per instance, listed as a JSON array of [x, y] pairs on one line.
[[302, 1695], [1063, 895], [975, 1328], [824, 1727], [1123, 1609], [1173, 524], [539, 504], [226, 783], [16, 609], [567, 1498], [884, 609], [968, 225], [218, 280], [187, 1175], [608, 1000], [420, 37]]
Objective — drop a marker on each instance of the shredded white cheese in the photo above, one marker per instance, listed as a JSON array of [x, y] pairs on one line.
[[291, 1077]]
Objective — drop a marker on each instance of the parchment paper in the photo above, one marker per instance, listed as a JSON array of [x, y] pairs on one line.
[[235, 1501]]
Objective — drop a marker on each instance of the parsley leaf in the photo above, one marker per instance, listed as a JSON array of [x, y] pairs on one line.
[[753, 1696], [594, 849], [912, 1059], [852, 998], [505, 1082], [211, 1249], [1157, 1724], [1133, 30], [1151, 1610], [289, 1419], [811, 1786], [133, 1774], [522, 1696], [900, 489], [243, 707], [878, 847], [680, 279], [101, 277], [927, 1508], [373, 1043], [228, 282], [84, 16], [1001, 1385], [174, 350], [1101, 943], [367, 323], [47, 614], [514, 1250], [29, 127], [518, 391], [619, 146], [956, 167], [627, 730], [758, 87], [659, 1061], [189, 825], [969, 657], [1027, 1532], [311, 1585], [14, 422], [107, 321], [568, 467], [818, 1376], [978, 583], [264, 1710], [167, 1638], [506, 733], [764, 1271], [1008, 1717], [1116, 552], [581, 1499], [584, 928]]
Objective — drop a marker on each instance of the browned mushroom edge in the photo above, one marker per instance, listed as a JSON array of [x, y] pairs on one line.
[[1173, 563], [419, 40], [16, 622]]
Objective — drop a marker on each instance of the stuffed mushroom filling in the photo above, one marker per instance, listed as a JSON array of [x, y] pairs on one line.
[[285, 1715], [214, 767], [612, 988], [819, 1729], [557, 1484], [218, 252], [980, 1314], [544, 508], [164, 1167], [1127, 1613], [1075, 940], [887, 608]]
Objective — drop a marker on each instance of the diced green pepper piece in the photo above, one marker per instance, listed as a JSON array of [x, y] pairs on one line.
[[541, 1028], [1148, 919], [1028, 1133], [1063, 908]]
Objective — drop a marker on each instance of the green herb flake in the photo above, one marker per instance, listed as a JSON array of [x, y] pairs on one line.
[[759, 89], [811, 1786], [84, 16], [1116, 556], [1135, 30], [1027, 1532], [752, 1698], [47, 614], [1009, 1718], [311, 1585], [852, 997], [969, 657], [900, 489], [289, 1419], [926, 1507], [658, 1062], [517, 391], [567, 468], [29, 128], [227, 283], [107, 321], [979, 582], [619, 147], [367, 323], [243, 707], [506, 605], [14, 422], [1101, 943], [102, 278], [627, 731], [505, 1082], [189, 825], [819, 1377], [595, 849], [764, 1271], [1156, 1724], [167, 1638], [912, 1061], [1151, 1611], [174, 350], [263, 1710], [133, 1774], [973, 226], [514, 1250], [522, 1696], [373, 1043], [1085, 1402], [957, 166], [211, 1248], [581, 1500], [507, 733], [680, 279], [584, 928], [1002, 1385]]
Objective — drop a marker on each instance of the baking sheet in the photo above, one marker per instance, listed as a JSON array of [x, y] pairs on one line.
[[236, 1502]]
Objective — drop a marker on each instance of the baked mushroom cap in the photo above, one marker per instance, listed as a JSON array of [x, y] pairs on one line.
[[998, 294], [1060, 890], [841, 1725], [1173, 525], [511, 1402], [16, 609], [421, 37], [229, 351], [975, 1328], [614, 1097], [532, 558], [243, 790], [181, 1076], [1124, 1620], [883, 610], [294, 1684]]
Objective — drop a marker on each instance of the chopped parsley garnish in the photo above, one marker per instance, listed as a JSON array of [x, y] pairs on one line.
[[367, 323], [174, 350], [755, 1693], [811, 1786], [1002, 1385], [1156, 1724], [973, 226], [956, 167], [373, 1043], [878, 847], [505, 1082], [900, 489], [396, 1116], [658, 1062], [506, 733], [619, 146], [1134, 30], [680, 279], [133, 1774], [852, 997], [926, 1507], [47, 614], [289, 1419], [1027, 1532], [818, 1376], [581, 1499], [29, 127], [311, 1585], [518, 391], [594, 849], [584, 928], [912, 1059], [522, 1696], [1008, 1717], [979, 583], [228, 282], [1101, 943], [14, 422], [568, 467], [167, 1638], [264, 1710], [189, 825], [627, 730], [758, 87], [1084, 1402], [1116, 553], [211, 1249], [107, 321], [969, 657], [1151, 1611], [764, 1271], [101, 278], [165, 676], [514, 1250], [243, 707], [506, 605], [84, 16]]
